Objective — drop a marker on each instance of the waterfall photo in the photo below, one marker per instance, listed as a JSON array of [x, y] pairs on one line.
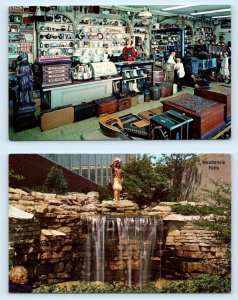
[[120, 223]]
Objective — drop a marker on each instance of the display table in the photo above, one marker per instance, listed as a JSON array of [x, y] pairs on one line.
[[208, 115], [78, 92]]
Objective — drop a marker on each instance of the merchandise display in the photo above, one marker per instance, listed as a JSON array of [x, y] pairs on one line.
[[121, 60]]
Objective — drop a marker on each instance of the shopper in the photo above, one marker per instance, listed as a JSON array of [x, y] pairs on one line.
[[224, 70], [199, 82], [18, 280], [129, 52], [180, 68], [171, 59], [221, 41]]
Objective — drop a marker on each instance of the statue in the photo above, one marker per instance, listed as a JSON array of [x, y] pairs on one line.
[[25, 80], [24, 112], [117, 173]]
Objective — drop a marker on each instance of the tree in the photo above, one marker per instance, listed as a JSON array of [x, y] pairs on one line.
[[140, 180], [55, 181], [220, 217], [178, 172]]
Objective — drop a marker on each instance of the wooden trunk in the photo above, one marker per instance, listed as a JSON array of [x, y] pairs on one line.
[[106, 105], [208, 118], [84, 111], [166, 89], [124, 103], [221, 94]]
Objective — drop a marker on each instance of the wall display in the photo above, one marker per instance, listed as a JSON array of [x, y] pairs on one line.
[[55, 36], [20, 36], [97, 38]]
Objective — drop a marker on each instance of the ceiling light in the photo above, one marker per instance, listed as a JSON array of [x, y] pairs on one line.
[[219, 17], [177, 7], [210, 12], [145, 13]]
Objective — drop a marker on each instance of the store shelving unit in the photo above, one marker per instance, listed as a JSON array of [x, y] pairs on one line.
[[162, 40], [135, 65], [55, 37], [20, 35]]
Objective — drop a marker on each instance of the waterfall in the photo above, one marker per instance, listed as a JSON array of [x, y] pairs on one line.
[[121, 248], [94, 251]]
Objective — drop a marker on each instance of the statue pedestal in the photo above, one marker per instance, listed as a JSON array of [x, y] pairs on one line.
[[24, 117]]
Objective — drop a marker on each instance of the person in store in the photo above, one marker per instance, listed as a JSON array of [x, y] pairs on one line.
[[129, 52], [179, 67], [194, 80], [224, 70], [221, 41], [117, 174], [18, 280], [200, 46], [171, 59], [197, 82]]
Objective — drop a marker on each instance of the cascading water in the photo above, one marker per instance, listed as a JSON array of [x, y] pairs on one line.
[[121, 248], [95, 254]]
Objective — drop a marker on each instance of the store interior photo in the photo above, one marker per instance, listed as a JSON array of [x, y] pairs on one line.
[[160, 72]]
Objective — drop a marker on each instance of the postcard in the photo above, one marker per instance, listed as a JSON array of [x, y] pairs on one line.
[[96, 72], [120, 223]]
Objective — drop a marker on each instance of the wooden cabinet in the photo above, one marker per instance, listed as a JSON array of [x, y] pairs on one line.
[[50, 73]]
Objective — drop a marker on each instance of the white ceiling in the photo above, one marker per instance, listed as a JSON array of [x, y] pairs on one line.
[[188, 10]]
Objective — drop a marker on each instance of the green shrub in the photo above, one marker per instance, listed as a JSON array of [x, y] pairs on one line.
[[55, 181], [83, 287], [189, 210], [201, 284]]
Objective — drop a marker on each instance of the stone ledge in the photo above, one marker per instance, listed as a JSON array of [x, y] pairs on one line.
[[17, 213], [180, 218]]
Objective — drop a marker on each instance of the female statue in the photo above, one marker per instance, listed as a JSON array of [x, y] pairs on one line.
[[117, 181]]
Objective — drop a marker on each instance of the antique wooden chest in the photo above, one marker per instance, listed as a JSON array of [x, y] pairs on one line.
[[208, 115], [166, 89], [124, 103], [220, 94], [106, 105], [52, 73]]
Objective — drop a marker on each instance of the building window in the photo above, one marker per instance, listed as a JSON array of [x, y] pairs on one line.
[[85, 172]]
